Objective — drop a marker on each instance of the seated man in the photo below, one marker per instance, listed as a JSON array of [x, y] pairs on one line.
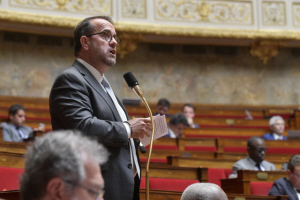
[[277, 127], [203, 191], [256, 148], [176, 125], [290, 185], [189, 112], [63, 165], [15, 130], [162, 108]]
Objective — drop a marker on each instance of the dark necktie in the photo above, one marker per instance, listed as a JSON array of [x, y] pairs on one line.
[[19, 132], [258, 166]]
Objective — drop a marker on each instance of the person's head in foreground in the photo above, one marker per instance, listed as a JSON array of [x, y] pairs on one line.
[[203, 191], [256, 149], [293, 171], [277, 124], [63, 165]]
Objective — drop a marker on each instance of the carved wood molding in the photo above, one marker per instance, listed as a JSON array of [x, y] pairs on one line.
[[129, 43], [265, 49]]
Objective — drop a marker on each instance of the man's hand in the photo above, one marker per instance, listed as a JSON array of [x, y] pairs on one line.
[[140, 127]]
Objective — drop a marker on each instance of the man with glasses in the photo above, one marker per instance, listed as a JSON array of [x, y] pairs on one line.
[[63, 165], [81, 98], [290, 185], [257, 149]]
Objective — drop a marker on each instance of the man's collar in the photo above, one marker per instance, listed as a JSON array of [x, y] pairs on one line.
[[251, 161], [93, 70], [277, 137]]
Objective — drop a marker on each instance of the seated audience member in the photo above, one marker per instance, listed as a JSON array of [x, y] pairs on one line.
[[189, 112], [277, 128], [15, 130], [63, 165], [255, 160], [162, 108], [203, 191], [176, 125], [290, 185]]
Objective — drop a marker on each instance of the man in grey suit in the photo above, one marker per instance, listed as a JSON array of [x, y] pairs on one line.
[[15, 130], [290, 185], [81, 98], [256, 148]]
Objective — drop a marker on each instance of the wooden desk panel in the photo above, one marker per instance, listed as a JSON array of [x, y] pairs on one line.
[[241, 184], [168, 171], [14, 160], [202, 162]]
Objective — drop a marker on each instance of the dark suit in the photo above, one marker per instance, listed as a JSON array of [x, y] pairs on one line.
[[10, 133], [283, 186], [270, 136], [78, 101]]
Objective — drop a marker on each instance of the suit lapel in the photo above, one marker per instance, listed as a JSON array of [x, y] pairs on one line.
[[291, 189], [96, 85]]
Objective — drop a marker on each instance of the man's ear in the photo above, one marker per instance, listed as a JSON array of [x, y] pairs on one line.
[[56, 189], [85, 43], [288, 172], [11, 116]]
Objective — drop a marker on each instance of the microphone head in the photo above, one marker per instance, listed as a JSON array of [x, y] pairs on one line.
[[130, 79]]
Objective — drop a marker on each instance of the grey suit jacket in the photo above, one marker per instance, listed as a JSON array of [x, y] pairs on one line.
[[283, 186], [10, 133], [245, 163], [78, 101]]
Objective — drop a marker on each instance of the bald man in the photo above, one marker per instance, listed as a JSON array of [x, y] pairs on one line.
[[203, 191]]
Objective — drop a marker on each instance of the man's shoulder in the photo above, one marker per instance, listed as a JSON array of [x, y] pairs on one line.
[[281, 181], [243, 160], [267, 136], [268, 163]]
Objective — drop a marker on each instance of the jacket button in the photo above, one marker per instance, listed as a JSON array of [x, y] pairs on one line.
[[129, 166]]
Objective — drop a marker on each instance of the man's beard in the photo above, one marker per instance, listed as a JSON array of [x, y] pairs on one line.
[[108, 60]]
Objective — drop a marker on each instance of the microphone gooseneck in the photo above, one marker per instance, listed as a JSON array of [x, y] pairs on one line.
[[134, 85]]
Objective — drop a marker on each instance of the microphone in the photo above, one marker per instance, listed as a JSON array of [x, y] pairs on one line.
[[134, 85]]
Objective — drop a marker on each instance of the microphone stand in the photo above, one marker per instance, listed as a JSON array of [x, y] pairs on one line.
[[139, 92]]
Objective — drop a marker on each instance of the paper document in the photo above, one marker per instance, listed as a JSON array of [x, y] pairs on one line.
[[160, 129]]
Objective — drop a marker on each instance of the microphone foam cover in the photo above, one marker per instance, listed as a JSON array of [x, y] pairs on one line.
[[130, 79]]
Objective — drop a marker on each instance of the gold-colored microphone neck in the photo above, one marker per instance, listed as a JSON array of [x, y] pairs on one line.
[[138, 91]]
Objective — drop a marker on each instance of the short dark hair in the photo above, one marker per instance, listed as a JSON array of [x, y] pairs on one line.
[[15, 108], [293, 162], [178, 118], [188, 105], [163, 102], [85, 28], [251, 140]]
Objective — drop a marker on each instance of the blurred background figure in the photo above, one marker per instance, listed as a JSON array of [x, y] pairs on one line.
[[256, 148], [189, 112], [63, 165], [162, 107], [15, 130], [203, 191], [176, 125], [277, 128]]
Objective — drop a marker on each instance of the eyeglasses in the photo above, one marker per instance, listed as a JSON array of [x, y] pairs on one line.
[[298, 175], [98, 194], [260, 150], [107, 36]]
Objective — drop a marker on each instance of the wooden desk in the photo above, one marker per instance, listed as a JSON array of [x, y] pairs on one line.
[[202, 162], [168, 171], [241, 184], [222, 132], [15, 160]]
